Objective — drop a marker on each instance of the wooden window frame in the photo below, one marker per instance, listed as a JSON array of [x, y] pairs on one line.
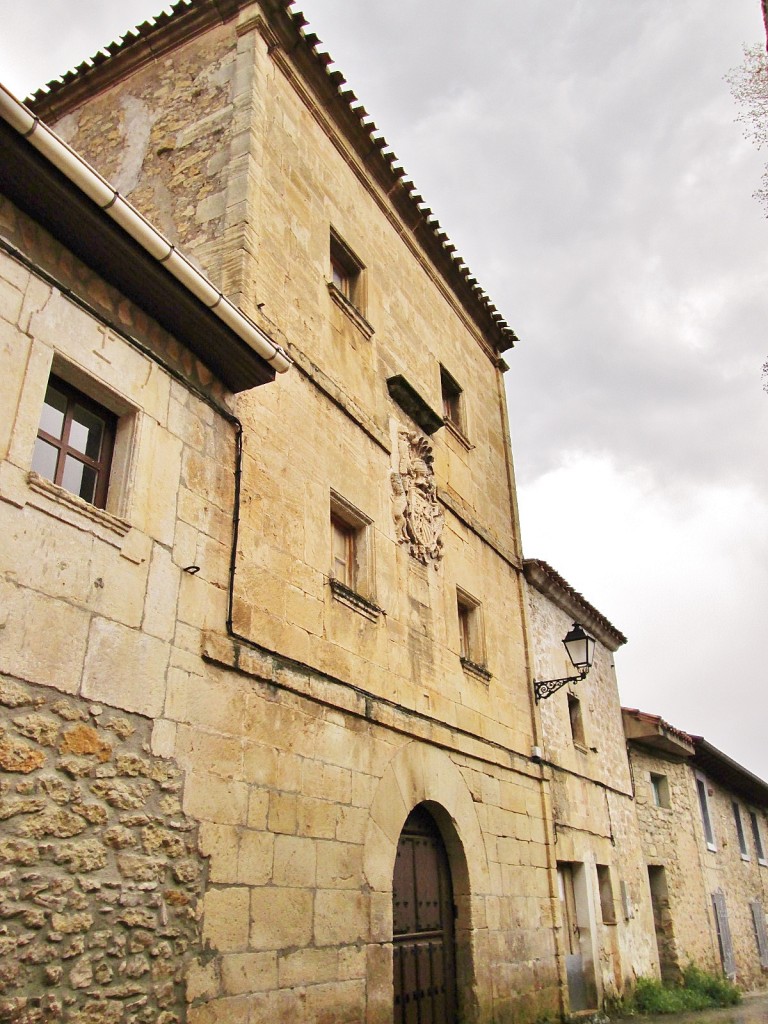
[[347, 273], [471, 634], [353, 527], [101, 466]]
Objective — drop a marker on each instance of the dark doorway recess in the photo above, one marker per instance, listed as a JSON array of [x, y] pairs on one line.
[[423, 919]]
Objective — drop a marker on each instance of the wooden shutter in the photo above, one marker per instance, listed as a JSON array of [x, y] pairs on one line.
[[724, 934], [758, 916]]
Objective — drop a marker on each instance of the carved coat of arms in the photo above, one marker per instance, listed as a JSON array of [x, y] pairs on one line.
[[418, 517]]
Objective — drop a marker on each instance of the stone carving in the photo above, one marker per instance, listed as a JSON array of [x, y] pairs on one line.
[[418, 517]]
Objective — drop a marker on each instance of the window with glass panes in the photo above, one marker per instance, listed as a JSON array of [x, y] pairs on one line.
[[74, 442]]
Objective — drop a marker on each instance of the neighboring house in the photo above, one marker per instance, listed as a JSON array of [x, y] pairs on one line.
[[704, 835], [605, 928], [118, 460]]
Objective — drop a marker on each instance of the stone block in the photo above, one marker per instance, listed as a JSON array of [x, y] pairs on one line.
[[125, 668], [226, 918], [341, 917], [295, 861], [280, 917], [307, 967], [44, 640], [162, 595], [242, 973], [209, 798], [258, 857], [339, 865]]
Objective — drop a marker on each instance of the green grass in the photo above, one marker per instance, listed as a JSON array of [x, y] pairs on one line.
[[698, 991]]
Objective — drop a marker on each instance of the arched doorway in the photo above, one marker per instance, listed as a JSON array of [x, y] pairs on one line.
[[423, 925]]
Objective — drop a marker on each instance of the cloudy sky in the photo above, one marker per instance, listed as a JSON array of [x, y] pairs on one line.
[[586, 161]]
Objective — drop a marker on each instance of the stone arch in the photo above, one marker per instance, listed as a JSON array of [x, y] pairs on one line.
[[422, 774]]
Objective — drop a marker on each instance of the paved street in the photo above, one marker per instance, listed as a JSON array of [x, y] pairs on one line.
[[754, 1010]]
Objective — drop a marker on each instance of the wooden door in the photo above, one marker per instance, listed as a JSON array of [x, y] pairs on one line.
[[422, 904]]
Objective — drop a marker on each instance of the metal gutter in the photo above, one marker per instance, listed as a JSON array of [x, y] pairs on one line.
[[134, 224]]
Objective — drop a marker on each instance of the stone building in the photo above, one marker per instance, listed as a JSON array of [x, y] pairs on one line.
[[270, 747], [118, 449], [704, 831], [605, 926], [340, 697]]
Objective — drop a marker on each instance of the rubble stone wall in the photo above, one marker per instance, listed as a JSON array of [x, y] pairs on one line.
[[99, 868]]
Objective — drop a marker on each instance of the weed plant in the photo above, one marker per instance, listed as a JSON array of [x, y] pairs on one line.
[[699, 990]]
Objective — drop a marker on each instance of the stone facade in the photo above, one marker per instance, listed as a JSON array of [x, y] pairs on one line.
[[307, 599], [308, 711], [672, 773], [595, 836]]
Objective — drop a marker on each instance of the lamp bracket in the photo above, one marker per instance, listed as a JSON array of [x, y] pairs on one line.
[[544, 688]]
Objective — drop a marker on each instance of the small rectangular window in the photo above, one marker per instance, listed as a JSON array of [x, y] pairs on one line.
[[452, 396], [577, 721], [706, 820], [471, 635], [347, 273], [351, 549], [660, 790], [607, 906], [760, 852], [74, 442], [740, 831]]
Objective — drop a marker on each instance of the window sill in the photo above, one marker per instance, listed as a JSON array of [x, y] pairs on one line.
[[351, 311], [746, 858], [345, 595], [76, 507], [459, 434], [476, 670], [762, 862]]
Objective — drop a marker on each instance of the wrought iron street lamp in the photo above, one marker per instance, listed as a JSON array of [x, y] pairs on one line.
[[581, 650]]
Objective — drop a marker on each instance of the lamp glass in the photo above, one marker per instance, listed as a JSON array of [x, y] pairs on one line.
[[580, 647]]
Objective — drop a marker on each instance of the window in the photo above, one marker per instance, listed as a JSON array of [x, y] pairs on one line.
[[757, 838], [706, 820], [471, 638], [740, 831], [660, 790], [347, 276], [351, 574], [605, 886], [452, 401], [74, 442], [577, 721]]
